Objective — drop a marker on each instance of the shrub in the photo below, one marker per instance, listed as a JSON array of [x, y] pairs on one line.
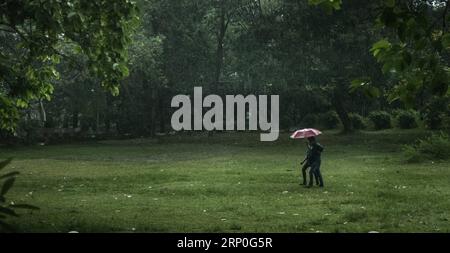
[[380, 120], [436, 111], [357, 120], [406, 119], [446, 123], [310, 120], [330, 120], [436, 146]]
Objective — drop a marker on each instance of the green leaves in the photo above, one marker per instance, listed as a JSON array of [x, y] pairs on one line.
[[380, 46], [146, 52], [413, 60], [387, 54], [328, 5], [122, 68], [389, 3], [439, 82], [99, 29], [5, 209], [7, 185], [414, 66], [365, 86], [446, 41], [357, 83], [9, 113]]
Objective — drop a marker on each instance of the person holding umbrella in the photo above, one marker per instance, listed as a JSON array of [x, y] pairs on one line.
[[306, 164], [313, 158], [315, 161]]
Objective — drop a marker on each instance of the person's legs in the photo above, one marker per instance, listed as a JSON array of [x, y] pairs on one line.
[[314, 172], [317, 173], [304, 168], [311, 176], [316, 176]]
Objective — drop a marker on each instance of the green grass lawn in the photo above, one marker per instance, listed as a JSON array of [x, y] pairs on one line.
[[229, 183]]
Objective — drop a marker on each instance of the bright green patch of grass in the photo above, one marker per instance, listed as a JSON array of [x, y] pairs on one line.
[[229, 183]]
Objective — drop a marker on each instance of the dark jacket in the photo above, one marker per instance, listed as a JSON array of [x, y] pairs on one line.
[[314, 152], [308, 154]]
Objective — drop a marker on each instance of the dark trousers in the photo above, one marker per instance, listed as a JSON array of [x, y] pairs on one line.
[[315, 170], [304, 168]]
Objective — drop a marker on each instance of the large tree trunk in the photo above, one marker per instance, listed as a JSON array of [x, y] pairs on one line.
[[75, 119], [223, 25], [161, 112], [65, 120], [219, 50], [338, 104], [154, 104], [42, 113]]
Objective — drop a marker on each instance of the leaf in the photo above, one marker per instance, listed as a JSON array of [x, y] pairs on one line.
[[8, 211], [421, 44], [25, 206], [381, 44], [11, 174], [407, 58], [389, 3], [327, 5], [446, 41], [114, 90], [364, 85], [392, 97], [373, 92], [7, 185], [72, 14], [124, 70], [4, 163], [439, 83], [387, 67], [376, 52], [21, 103], [357, 84]]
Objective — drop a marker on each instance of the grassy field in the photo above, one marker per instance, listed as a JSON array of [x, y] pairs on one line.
[[229, 183]]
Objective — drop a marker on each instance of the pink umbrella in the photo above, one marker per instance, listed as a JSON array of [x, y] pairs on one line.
[[305, 133]]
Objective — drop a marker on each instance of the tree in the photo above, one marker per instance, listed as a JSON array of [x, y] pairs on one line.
[[32, 34], [323, 52], [143, 90], [417, 56]]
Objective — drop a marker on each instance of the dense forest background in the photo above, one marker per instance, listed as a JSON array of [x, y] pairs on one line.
[[355, 65]]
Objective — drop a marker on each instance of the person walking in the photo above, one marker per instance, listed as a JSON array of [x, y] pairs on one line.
[[307, 165], [315, 161], [313, 155]]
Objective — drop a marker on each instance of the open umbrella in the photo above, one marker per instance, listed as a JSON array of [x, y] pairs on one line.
[[305, 133]]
